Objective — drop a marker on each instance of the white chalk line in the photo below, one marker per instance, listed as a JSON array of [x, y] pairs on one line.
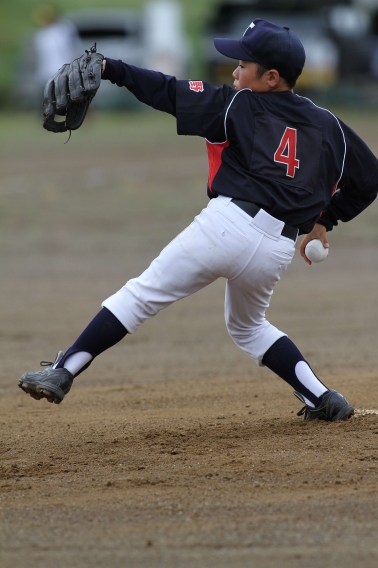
[[358, 412]]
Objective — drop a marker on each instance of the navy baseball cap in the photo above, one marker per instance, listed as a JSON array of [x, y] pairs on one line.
[[272, 46]]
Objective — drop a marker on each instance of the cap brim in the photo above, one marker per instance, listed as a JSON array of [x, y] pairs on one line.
[[232, 48]]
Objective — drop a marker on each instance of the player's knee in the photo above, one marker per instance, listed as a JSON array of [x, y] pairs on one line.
[[242, 334]]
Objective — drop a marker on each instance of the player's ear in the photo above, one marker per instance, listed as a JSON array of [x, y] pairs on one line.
[[273, 78]]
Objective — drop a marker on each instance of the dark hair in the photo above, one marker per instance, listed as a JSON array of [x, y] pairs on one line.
[[261, 70]]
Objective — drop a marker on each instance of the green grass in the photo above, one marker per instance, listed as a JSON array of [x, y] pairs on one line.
[[16, 24]]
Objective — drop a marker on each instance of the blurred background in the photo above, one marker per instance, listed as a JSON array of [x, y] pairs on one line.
[[340, 38]]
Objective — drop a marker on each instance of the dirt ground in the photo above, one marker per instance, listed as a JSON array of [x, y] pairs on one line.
[[173, 449]]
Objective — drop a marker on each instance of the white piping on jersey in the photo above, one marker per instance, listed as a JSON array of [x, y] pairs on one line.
[[325, 109], [225, 117], [342, 132]]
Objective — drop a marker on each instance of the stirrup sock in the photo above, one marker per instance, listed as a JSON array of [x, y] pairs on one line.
[[285, 359], [104, 331]]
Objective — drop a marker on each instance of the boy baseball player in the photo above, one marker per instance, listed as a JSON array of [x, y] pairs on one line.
[[279, 166]]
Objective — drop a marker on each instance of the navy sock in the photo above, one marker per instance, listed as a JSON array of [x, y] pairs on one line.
[[282, 358], [104, 331]]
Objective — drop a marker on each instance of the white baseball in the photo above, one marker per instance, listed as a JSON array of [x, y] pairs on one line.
[[315, 251]]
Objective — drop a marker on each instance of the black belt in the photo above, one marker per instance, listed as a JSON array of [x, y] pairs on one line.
[[252, 209]]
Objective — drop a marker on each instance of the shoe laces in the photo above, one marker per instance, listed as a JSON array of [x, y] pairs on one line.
[[302, 411], [52, 364]]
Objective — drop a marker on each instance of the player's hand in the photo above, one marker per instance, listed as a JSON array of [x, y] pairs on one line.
[[318, 232]]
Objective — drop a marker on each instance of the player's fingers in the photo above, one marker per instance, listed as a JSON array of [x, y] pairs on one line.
[[306, 259], [302, 247], [75, 83], [325, 241], [304, 242], [319, 232]]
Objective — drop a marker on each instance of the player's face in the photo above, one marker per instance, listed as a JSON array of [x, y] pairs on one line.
[[246, 77]]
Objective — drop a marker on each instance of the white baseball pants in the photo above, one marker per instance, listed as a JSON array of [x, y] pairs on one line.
[[223, 241]]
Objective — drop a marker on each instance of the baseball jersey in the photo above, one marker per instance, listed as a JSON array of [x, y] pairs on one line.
[[278, 150]]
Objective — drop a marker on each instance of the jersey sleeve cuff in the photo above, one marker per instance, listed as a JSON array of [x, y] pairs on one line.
[[327, 223], [112, 70]]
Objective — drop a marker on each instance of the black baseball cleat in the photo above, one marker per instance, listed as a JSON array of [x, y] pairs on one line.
[[50, 383], [333, 406]]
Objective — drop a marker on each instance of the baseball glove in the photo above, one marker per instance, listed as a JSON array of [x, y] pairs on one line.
[[70, 91]]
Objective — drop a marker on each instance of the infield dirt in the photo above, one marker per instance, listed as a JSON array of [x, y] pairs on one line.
[[173, 449]]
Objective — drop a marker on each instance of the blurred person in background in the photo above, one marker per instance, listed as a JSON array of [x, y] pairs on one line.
[[56, 43]]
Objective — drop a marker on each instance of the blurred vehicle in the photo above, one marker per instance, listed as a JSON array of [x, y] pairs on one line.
[[151, 38], [335, 36], [118, 34]]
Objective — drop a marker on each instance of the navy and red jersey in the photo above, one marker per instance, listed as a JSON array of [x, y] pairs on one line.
[[277, 149]]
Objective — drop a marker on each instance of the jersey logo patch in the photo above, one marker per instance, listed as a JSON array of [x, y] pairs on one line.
[[196, 86]]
